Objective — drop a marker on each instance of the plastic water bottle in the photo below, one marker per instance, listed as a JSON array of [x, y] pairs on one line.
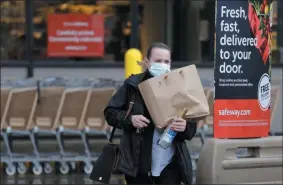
[[169, 134]]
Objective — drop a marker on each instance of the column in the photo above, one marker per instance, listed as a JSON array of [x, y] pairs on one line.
[[152, 29], [135, 23], [168, 26], [29, 37]]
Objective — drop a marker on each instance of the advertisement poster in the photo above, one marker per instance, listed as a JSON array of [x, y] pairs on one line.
[[242, 69], [75, 35]]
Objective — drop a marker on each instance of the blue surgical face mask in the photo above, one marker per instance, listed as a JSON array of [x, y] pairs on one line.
[[157, 69]]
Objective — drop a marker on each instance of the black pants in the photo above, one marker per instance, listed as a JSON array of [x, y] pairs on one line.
[[170, 175]]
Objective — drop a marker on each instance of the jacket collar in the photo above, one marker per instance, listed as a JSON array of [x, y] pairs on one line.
[[135, 80]]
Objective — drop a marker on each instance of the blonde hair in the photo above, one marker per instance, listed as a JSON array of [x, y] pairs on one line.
[[142, 64]]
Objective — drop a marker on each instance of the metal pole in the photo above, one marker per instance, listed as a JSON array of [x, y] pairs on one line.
[[29, 37], [165, 21], [168, 22], [135, 23]]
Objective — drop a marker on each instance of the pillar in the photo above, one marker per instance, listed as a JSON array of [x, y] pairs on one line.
[[152, 29]]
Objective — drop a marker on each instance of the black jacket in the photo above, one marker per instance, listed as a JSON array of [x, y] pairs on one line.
[[130, 144]]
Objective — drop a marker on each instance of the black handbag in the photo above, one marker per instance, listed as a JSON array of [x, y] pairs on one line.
[[107, 163]]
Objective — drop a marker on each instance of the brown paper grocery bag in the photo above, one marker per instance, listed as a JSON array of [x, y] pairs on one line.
[[166, 95]]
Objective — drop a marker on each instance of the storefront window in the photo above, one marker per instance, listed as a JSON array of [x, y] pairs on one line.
[[73, 30], [12, 34], [207, 27]]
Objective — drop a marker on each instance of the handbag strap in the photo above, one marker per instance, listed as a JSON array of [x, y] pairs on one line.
[[127, 114]]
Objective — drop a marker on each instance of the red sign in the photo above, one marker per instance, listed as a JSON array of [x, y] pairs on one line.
[[240, 118], [75, 35]]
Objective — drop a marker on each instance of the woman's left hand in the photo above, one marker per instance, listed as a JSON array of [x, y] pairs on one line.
[[179, 124]]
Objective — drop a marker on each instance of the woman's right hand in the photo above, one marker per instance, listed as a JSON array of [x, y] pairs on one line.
[[139, 121]]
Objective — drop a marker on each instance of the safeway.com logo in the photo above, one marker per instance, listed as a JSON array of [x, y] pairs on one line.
[[227, 112]]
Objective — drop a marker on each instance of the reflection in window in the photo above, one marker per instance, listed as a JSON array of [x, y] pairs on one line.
[[115, 16], [12, 35], [207, 27]]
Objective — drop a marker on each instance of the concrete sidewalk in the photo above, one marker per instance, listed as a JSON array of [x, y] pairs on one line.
[[75, 145]]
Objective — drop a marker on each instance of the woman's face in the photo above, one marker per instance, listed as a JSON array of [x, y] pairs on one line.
[[159, 55]]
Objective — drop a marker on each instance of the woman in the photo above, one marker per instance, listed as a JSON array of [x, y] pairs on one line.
[[141, 159]]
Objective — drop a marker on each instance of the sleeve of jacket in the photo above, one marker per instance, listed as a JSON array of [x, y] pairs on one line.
[[189, 132], [116, 109]]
